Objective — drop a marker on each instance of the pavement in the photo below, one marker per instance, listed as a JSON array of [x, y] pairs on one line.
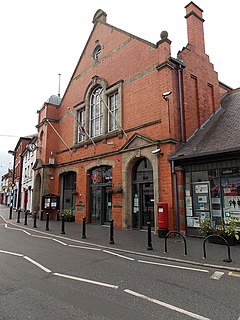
[[135, 242]]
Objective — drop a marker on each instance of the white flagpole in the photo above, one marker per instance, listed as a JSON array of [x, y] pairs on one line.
[[76, 119], [59, 136]]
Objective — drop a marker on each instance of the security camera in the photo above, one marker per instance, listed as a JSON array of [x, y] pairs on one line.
[[156, 151], [166, 94]]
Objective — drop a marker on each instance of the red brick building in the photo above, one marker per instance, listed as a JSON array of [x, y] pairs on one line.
[[104, 148]]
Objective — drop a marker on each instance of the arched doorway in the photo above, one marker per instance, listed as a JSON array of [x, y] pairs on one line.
[[100, 208], [143, 194], [68, 190]]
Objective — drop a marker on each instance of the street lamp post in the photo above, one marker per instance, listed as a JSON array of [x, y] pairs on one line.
[[13, 153]]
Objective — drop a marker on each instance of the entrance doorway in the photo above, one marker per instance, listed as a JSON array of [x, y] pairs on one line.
[[100, 195], [143, 194], [69, 190]]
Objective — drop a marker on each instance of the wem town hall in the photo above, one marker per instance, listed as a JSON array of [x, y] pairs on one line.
[[137, 127]]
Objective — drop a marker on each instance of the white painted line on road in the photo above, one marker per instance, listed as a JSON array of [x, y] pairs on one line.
[[35, 235], [37, 264], [12, 253], [86, 280], [166, 305], [60, 242], [118, 255], [173, 266], [217, 275], [82, 247], [6, 226]]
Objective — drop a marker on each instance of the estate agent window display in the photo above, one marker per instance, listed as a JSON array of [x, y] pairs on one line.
[[213, 194]]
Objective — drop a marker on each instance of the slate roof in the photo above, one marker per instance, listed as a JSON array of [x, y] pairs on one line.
[[220, 134]]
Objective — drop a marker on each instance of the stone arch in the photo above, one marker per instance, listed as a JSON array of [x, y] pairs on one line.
[[129, 159]]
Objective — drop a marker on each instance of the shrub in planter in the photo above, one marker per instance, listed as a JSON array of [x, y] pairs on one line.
[[227, 231], [68, 215]]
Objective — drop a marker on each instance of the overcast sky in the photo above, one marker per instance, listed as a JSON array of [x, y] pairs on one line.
[[42, 38]]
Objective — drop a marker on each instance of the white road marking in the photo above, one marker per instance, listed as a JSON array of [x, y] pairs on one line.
[[35, 235], [37, 264], [86, 280], [12, 253], [60, 242], [173, 266], [6, 226], [166, 305], [118, 255], [82, 247], [217, 275]]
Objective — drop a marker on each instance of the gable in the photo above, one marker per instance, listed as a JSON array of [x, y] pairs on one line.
[[139, 141]]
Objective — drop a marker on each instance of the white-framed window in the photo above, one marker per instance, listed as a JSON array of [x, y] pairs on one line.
[[101, 111], [113, 111], [81, 125], [96, 113]]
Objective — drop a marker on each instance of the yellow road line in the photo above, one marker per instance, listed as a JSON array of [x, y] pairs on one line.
[[234, 274]]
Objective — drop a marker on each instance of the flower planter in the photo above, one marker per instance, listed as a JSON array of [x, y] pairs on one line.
[[232, 241]]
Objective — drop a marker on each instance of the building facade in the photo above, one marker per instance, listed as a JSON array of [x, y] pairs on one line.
[[27, 187], [103, 150]]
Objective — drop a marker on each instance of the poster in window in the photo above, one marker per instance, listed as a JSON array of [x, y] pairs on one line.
[[202, 199], [201, 188], [188, 201], [189, 221], [189, 211], [196, 222]]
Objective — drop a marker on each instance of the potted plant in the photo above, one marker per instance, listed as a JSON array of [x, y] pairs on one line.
[[206, 227], [227, 231], [68, 215]]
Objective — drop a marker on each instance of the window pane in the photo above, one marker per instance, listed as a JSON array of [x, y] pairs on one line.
[[113, 113], [96, 113], [81, 125]]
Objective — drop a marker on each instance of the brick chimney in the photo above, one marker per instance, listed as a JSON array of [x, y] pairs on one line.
[[195, 28]]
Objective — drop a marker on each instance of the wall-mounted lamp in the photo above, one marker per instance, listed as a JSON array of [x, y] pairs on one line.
[[156, 151], [166, 94]]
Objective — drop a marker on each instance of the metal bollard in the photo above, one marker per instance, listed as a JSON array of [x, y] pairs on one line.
[[149, 247], [84, 228], [41, 215], [63, 224], [111, 241], [47, 222], [25, 220], [18, 215], [35, 219]]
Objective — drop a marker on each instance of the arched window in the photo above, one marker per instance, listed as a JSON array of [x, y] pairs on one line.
[[96, 113]]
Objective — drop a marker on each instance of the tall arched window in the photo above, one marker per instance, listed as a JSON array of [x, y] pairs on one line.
[[96, 113]]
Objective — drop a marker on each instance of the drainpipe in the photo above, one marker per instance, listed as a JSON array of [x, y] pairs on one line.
[[179, 71], [180, 65], [175, 195]]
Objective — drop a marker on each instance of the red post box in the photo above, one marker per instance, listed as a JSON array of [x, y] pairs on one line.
[[162, 210]]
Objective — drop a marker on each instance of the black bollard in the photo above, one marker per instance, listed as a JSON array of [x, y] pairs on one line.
[[25, 220], [149, 236], [47, 222], [84, 228], [41, 215], [18, 215], [111, 233], [10, 212], [63, 224], [35, 219]]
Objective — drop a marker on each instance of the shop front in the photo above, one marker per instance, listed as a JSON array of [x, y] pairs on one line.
[[212, 193]]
